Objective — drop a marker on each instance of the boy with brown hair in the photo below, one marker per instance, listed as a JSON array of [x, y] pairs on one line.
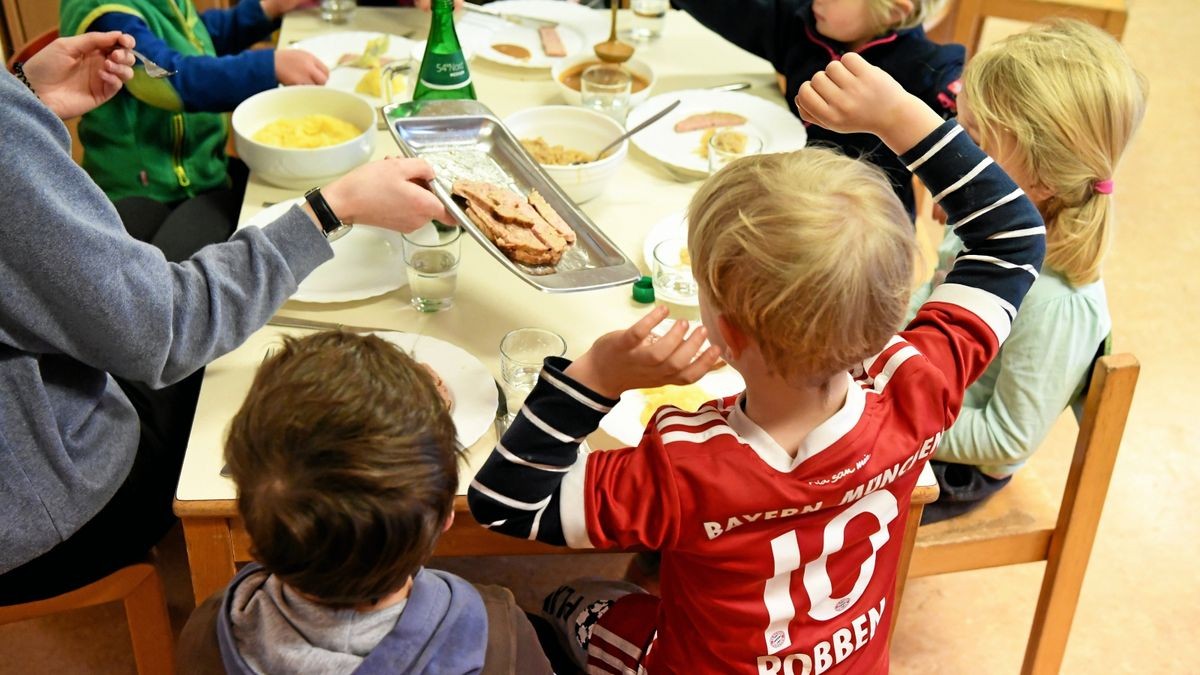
[[345, 459], [777, 512]]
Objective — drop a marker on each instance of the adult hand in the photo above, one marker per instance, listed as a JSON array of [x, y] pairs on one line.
[[74, 75], [296, 66], [392, 193], [426, 4], [852, 95], [632, 359], [276, 8]]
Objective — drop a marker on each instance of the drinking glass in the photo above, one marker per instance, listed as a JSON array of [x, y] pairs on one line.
[[521, 354], [724, 147], [649, 18], [431, 255], [606, 89], [673, 280], [338, 11]]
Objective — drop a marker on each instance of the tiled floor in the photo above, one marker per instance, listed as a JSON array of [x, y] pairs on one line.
[[1141, 600]]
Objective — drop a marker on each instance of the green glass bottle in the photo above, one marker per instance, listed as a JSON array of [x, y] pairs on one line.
[[444, 73]]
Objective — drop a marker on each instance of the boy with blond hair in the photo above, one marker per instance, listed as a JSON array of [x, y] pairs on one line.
[[778, 512], [346, 463], [801, 37]]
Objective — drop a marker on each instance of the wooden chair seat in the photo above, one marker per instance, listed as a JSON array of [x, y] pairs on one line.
[[962, 21]]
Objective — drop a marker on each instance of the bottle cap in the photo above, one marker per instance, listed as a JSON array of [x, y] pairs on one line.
[[643, 291]]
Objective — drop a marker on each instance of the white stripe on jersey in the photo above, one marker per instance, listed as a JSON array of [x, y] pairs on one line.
[[697, 436], [537, 521], [1014, 234], [970, 176], [945, 140], [570, 391], [508, 501], [993, 310], [999, 262], [617, 641], [570, 505], [889, 368], [687, 419], [549, 430], [994, 205], [870, 362], [777, 592], [609, 660], [524, 462]]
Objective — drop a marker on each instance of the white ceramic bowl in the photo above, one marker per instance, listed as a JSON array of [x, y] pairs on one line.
[[302, 168], [635, 66], [578, 129]]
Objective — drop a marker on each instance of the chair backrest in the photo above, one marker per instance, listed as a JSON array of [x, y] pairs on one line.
[[33, 46]]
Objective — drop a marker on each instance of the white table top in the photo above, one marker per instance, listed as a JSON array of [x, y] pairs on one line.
[[489, 301]]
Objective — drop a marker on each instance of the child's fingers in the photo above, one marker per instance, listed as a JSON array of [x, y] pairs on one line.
[[855, 63], [837, 72], [811, 101], [639, 331], [662, 348], [700, 366], [687, 350], [825, 87]]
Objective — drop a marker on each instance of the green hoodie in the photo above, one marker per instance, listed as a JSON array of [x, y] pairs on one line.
[[142, 142]]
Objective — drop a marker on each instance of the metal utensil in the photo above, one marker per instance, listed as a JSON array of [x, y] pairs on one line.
[[297, 322], [652, 119], [511, 18], [613, 50], [152, 69], [734, 86], [501, 411]]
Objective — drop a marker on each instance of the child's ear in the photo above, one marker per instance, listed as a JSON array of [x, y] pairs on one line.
[[1040, 194], [449, 522], [735, 338], [901, 10]]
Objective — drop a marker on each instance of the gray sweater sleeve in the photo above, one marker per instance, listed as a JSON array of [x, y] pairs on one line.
[[76, 283]]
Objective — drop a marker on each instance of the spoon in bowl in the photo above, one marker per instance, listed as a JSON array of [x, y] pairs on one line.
[[651, 120], [613, 50]]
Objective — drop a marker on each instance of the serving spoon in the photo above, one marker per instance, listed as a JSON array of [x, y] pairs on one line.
[[613, 50], [651, 120]]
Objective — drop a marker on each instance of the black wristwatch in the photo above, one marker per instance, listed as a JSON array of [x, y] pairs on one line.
[[331, 225]]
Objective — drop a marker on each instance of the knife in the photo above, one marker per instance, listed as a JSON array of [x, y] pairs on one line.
[[297, 322], [511, 18]]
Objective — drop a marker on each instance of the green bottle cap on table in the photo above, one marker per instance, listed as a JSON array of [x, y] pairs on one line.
[[444, 74], [643, 291]]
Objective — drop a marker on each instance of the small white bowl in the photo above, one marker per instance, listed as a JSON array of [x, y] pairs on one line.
[[302, 168], [578, 129], [573, 97]]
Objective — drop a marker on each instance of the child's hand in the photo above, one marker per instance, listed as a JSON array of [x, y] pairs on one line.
[[629, 359], [296, 66], [392, 193], [852, 95], [276, 8]]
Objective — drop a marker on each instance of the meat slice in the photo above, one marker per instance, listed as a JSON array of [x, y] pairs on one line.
[[710, 120], [506, 206], [513, 224], [442, 390], [552, 43], [516, 242], [544, 209]]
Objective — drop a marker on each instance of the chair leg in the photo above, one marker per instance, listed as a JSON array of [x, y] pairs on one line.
[[906, 549], [968, 24], [150, 627]]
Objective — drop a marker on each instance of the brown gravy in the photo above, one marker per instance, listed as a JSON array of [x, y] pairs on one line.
[[571, 77]]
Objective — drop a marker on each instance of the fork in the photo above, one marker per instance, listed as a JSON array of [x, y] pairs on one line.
[[152, 69]]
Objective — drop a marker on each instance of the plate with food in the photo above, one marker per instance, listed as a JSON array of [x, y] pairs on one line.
[[357, 61], [532, 45], [462, 380], [627, 421], [367, 261], [680, 140]]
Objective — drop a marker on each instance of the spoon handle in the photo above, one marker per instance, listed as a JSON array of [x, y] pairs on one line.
[[612, 36], [652, 119]]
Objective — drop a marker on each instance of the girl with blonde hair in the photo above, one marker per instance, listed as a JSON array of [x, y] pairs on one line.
[[1056, 107]]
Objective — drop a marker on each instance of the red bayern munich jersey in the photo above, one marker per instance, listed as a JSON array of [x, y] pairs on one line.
[[780, 565]]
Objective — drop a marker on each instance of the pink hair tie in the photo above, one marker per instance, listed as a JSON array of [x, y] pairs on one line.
[[1104, 187]]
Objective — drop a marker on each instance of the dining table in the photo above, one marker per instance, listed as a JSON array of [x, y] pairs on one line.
[[489, 301]]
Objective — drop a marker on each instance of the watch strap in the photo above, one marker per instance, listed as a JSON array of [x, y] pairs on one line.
[[330, 223]]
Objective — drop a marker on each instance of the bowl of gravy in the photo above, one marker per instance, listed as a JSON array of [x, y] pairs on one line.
[[568, 72]]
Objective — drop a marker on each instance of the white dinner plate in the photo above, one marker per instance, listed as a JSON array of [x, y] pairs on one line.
[[367, 261], [673, 226], [330, 48], [469, 381], [578, 27], [779, 130], [473, 39], [624, 421]]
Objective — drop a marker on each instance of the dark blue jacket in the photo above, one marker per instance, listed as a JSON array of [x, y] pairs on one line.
[[784, 32]]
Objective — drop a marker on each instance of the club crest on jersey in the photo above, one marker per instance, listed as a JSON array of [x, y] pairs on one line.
[[778, 639]]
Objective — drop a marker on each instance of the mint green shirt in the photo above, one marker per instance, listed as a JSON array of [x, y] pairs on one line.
[[1040, 370]]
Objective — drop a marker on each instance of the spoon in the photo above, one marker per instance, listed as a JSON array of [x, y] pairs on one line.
[[653, 118], [153, 69], [613, 50]]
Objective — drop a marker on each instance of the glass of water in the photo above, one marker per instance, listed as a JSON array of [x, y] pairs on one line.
[[521, 354], [726, 145], [431, 255], [606, 89], [338, 11], [649, 18], [673, 280]]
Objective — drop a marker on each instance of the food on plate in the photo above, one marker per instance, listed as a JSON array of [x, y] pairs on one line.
[[310, 131], [441, 387], [689, 398], [557, 155], [372, 55], [515, 51], [552, 43], [571, 77], [371, 83], [728, 140], [528, 231], [709, 120]]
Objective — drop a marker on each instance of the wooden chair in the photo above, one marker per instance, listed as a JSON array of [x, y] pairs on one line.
[[966, 17], [139, 587], [32, 47], [1019, 525]]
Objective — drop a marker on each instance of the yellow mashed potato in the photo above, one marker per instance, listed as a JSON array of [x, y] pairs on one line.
[[371, 83], [688, 398], [310, 131]]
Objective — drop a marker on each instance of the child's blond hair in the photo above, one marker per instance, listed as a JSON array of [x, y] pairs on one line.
[[1069, 99], [808, 252], [922, 11]]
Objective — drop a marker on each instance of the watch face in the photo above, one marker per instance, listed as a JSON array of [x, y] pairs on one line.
[[338, 232]]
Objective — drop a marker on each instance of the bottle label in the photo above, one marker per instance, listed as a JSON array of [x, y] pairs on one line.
[[445, 71]]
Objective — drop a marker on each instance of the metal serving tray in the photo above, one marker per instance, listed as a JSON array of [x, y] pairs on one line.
[[464, 139]]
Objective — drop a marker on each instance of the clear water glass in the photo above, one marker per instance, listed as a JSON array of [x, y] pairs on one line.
[[673, 280], [431, 255], [649, 18], [606, 89], [720, 154], [522, 352], [338, 11]]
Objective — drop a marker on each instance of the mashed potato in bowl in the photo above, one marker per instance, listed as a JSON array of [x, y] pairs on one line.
[[309, 131]]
